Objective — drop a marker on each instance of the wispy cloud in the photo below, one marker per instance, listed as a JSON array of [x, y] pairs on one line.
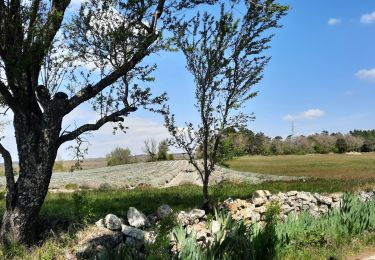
[[366, 74], [103, 140], [368, 18], [334, 21], [308, 114]]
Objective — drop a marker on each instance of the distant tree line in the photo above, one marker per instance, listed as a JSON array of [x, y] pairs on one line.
[[242, 141]]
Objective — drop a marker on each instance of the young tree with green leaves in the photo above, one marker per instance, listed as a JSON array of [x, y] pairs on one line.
[[226, 57], [52, 63]]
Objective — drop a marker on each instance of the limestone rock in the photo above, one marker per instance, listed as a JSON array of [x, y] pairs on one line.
[[255, 217], [291, 193], [260, 197], [197, 213], [163, 211], [200, 231], [336, 196], [149, 237], [323, 199], [152, 219], [136, 218], [112, 222], [259, 201], [261, 194], [132, 232], [306, 196]]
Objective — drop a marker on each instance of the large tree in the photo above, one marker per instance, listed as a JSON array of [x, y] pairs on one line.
[[51, 63], [225, 55]]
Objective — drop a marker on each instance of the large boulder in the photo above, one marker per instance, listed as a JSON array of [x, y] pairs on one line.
[[163, 211], [112, 222], [136, 237], [136, 218]]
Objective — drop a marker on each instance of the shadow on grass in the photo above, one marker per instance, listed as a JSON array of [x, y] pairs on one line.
[[60, 210]]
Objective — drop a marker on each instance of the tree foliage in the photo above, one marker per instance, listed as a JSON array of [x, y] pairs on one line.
[[226, 57], [52, 63], [119, 156]]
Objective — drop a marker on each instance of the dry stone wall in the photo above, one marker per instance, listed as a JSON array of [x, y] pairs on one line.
[[114, 233]]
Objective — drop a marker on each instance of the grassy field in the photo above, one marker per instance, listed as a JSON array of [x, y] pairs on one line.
[[74, 210], [101, 202], [327, 166]]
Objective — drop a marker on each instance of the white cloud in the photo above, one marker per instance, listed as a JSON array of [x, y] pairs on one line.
[[308, 114], [334, 21], [368, 18], [366, 74], [104, 141]]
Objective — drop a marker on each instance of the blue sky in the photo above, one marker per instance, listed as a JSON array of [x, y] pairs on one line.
[[320, 73], [321, 77]]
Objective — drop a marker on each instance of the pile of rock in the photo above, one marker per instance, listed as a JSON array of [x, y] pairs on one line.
[[252, 210], [114, 233]]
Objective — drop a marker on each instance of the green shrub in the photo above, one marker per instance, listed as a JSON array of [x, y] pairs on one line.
[[83, 207], [71, 186], [160, 249], [12, 250], [119, 156], [163, 151]]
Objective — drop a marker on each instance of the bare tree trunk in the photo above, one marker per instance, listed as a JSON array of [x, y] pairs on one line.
[[207, 205], [37, 149]]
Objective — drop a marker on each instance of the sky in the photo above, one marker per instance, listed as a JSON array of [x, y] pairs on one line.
[[321, 77]]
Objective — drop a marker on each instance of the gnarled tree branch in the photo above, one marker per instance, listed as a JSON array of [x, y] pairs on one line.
[[9, 99], [114, 117], [9, 175], [91, 91]]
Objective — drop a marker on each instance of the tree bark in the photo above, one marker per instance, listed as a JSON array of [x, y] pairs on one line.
[[37, 148], [207, 205]]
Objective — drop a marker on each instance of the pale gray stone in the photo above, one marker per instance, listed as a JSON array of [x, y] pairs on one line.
[[163, 211], [112, 222], [136, 218]]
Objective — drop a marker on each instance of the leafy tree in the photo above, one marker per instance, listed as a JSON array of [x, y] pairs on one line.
[[163, 151], [119, 156], [341, 145], [225, 56], [95, 55]]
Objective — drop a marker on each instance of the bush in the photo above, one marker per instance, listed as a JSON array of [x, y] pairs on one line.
[[163, 151], [83, 208], [119, 156], [341, 145], [71, 186]]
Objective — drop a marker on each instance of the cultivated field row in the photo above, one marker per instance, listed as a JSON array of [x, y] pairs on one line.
[[154, 174]]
